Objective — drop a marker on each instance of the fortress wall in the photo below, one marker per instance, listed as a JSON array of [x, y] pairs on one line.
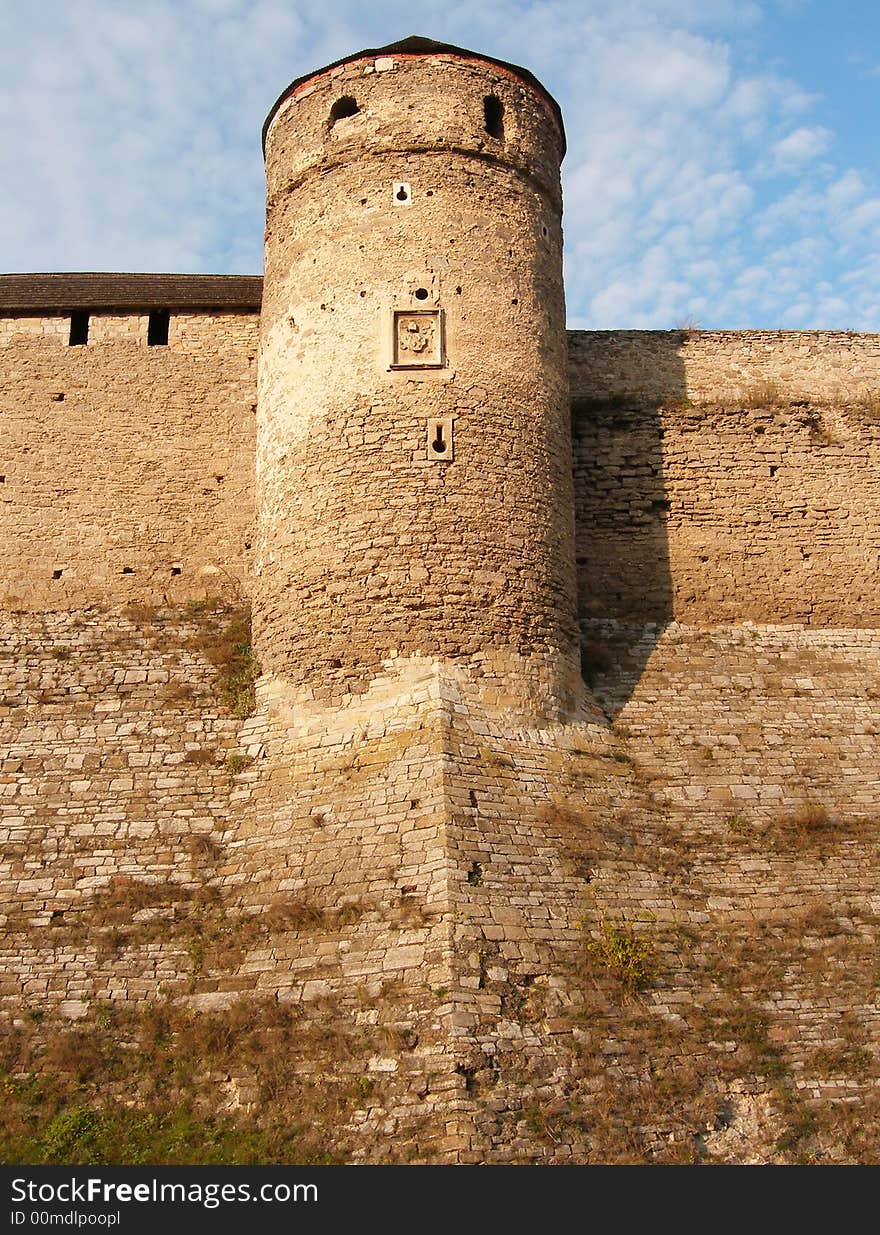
[[728, 819], [113, 795], [127, 470], [121, 474], [697, 504], [724, 365]]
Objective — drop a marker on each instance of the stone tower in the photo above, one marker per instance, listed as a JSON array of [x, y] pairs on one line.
[[414, 459]]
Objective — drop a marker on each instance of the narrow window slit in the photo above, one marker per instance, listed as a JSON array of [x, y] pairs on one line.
[[157, 328], [493, 113], [79, 328]]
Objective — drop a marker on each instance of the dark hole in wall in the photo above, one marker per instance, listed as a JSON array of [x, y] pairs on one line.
[[157, 328], [493, 116], [175, 570], [346, 106], [56, 574], [79, 328], [128, 570]]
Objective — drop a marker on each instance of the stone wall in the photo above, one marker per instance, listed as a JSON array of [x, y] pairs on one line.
[[129, 470], [723, 477], [435, 880], [125, 470], [725, 366], [113, 781]]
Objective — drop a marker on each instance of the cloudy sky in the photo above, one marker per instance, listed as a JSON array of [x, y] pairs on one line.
[[723, 165]]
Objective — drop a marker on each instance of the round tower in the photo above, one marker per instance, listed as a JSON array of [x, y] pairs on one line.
[[414, 458]]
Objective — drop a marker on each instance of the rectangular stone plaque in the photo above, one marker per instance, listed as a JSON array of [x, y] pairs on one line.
[[418, 339]]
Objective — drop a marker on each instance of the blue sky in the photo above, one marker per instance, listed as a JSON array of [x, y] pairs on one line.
[[723, 165]]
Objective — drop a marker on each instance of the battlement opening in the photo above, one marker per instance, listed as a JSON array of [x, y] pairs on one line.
[[157, 328], [79, 328], [493, 114], [342, 108]]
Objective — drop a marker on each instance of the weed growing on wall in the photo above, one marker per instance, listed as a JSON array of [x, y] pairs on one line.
[[628, 957], [225, 638]]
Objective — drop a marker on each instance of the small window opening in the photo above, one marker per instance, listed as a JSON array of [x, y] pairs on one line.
[[2, 480], [439, 444], [56, 574], [421, 293], [128, 570], [157, 330], [493, 111], [79, 328], [346, 106], [175, 570], [402, 193]]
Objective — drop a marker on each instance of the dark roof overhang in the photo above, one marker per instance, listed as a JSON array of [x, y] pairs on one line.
[[61, 293]]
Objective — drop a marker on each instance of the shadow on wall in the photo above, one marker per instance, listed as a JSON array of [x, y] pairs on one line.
[[624, 579]]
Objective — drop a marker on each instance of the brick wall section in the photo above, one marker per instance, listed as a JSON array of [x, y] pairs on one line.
[[126, 468], [101, 719], [724, 365], [728, 476], [122, 473], [474, 855]]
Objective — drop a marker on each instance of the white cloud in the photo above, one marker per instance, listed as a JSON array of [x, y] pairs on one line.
[[135, 145], [800, 146]]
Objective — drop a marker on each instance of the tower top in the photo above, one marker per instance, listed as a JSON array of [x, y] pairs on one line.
[[416, 45]]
